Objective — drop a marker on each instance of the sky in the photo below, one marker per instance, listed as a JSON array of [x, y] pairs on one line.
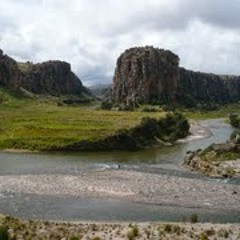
[[91, 34]]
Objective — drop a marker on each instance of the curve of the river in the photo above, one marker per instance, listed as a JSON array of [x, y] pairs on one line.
[[25, 179]]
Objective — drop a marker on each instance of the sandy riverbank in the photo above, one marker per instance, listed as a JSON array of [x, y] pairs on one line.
[[129, 185]]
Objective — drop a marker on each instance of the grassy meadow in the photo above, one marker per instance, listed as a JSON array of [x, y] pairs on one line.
[[222, 112], [43, 125]]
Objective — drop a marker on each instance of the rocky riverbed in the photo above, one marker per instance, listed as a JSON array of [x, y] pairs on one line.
[[129, 185], [218, 160]]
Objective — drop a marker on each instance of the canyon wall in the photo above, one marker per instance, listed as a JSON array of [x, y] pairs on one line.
[[152, 75]]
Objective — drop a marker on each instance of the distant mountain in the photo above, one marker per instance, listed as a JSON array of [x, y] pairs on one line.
[[53, 78], [101, 90], [152, 75]]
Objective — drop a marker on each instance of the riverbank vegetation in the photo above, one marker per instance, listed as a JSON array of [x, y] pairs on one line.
[[44, 124], [149, 132], [13, 228]]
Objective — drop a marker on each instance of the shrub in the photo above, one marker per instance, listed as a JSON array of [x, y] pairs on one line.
[[106, 105], [203, 236], [133, 233], [74, 238], [194, 218], [4, 235], [149, 109], [223, 233], [235, 136], [96, 238], [234, 120], [168, 228], [174, 125]]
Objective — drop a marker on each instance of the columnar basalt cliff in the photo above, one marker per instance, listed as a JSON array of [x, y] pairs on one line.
[[53, 78], [152, 75]]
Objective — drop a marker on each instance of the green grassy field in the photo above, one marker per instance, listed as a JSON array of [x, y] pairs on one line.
[[37, 124], [222, 112], [42, 125]]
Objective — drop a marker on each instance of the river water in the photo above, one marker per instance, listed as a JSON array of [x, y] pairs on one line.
[[166, 160]]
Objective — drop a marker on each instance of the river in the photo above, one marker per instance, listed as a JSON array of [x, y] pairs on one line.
[[163, 161]]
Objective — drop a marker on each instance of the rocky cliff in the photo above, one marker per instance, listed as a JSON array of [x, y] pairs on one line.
[[152, 75], [146, 74], [207, 87], [48, 78], [10, 76], [51, 78]]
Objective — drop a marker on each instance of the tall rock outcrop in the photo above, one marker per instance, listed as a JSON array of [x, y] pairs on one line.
[[10, 76], [152, 75], [146, 74], [53, 78]]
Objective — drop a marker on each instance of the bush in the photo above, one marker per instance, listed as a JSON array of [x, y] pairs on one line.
[[234, 120], [148, 127], [235, 136], [149, 132], [174, 126], [149, 109], [4, 235], [106, 105], [194, 218], [133, 233], [74, 238]]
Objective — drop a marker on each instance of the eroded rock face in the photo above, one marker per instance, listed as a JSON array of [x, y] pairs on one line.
[[209, 87], [150, 75], [52, 78], [146, 74], [48, 78], [10, 76]]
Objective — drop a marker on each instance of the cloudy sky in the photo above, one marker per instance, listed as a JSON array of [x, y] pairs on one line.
[[91, 34]]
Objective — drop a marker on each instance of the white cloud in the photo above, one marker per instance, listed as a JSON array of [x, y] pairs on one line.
[[92, 34]]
